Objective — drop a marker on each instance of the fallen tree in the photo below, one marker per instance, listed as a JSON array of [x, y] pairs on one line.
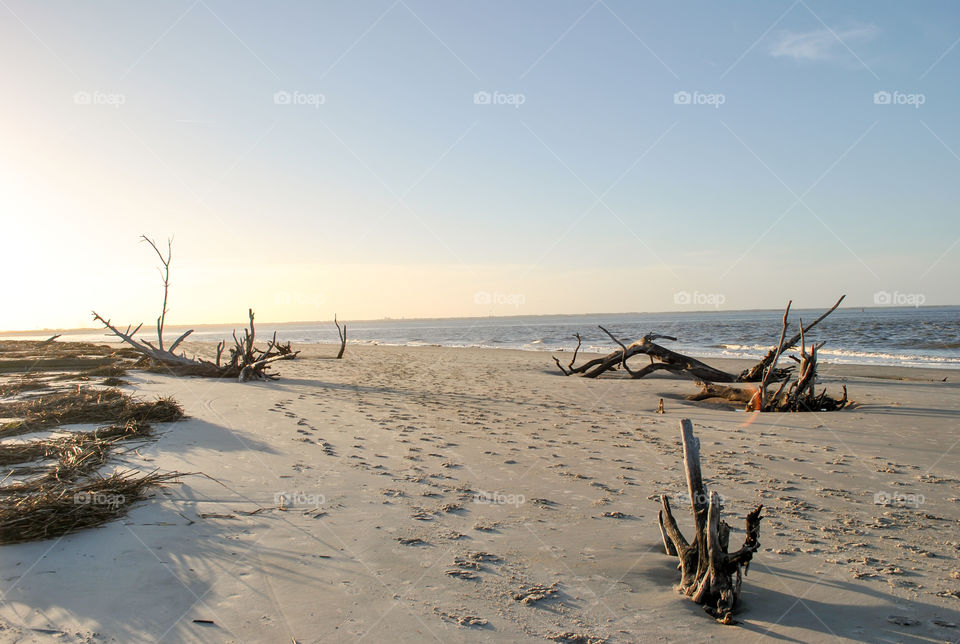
[[801, 396], [662, 358], [710, 575], [246, 361]]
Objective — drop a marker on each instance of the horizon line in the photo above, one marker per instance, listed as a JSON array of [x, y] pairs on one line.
[[467, 317]]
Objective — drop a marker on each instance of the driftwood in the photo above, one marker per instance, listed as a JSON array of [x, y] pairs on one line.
[[246, 362], [733, 394], [800, 396], [343, 336], [661, 358], [754, 373], [710, 575]]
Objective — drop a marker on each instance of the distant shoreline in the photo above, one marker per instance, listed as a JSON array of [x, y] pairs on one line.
[[243, 323]]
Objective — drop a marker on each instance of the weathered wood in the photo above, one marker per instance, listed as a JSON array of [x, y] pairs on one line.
[[799, 397], [768, 372], [343, 336], [671, 361], [755, 373], [709, 390], [660, 357], [246, 361], [165, 274], [569, 368], [710, 575]]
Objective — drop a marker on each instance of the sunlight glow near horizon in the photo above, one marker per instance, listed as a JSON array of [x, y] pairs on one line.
[[398, 195]]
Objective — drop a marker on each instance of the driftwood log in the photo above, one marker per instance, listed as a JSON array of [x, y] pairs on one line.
[[664, 359], [246, 362], [661, 358], [710, 575], [799, 396]]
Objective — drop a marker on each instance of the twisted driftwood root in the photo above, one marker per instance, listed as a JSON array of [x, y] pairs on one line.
[[710, 575], [755, 373], [801, 396]]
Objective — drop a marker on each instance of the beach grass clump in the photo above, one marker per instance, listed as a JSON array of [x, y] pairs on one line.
[[71, 494], [65, 507], [25, 383], [84, 405], [65, 482], [108, 370], [73, 449], [114, 382]]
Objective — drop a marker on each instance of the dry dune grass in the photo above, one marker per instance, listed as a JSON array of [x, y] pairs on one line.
[[60, 508], [83, 405], [56, 485]]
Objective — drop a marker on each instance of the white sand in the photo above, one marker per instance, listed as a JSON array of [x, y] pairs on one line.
[[394, 443]]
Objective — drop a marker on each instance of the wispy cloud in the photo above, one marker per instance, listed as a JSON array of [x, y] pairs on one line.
[[822, 45]]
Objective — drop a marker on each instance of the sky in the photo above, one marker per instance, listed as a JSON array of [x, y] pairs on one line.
[[407, 158]]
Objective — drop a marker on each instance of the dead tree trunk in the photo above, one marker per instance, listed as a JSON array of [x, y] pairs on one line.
[[165, 273], [343, 336], [246, 361], [710, 575]]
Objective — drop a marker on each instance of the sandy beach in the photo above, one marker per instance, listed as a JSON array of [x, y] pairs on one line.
[[414, 494]]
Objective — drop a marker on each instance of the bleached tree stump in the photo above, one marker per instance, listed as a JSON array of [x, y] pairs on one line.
[[710, 575]]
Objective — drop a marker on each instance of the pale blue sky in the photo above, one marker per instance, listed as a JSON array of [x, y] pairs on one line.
[[399, 195]]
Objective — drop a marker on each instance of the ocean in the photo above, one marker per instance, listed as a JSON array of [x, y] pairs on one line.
[[915, 337]]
